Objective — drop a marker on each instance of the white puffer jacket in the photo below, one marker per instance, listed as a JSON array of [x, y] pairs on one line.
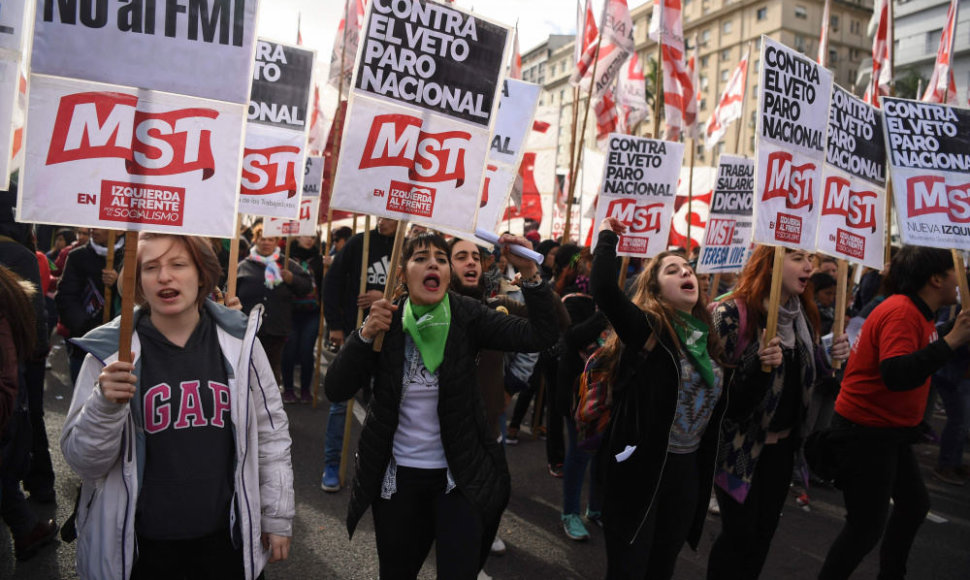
[[104, 444]]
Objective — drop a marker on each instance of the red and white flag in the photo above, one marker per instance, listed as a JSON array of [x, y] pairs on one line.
[[729, 107], [882, 52], [667, 28], [515, 68], [631, 96], [317, 138], [942, 88], [693, 125], [587, 24], [606, 118], [613, 46], [823, 39], [345, 44]]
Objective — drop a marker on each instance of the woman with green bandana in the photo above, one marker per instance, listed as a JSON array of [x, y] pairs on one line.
[[427, 463], [659, 452]]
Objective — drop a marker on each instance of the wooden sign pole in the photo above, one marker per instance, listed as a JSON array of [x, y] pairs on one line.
[[231, 275], [842, 281], [774, 298], [109, 260], [961, 268], [128, 296], [402, 228]]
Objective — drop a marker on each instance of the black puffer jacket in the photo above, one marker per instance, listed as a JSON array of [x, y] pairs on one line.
[[476, 460], [645, 393]]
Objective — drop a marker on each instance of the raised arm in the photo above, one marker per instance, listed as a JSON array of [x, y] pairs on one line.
[[629, 322]]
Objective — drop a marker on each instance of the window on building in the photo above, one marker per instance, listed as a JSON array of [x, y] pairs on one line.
[[725, 73], [932, 40], [727, 26], [801, 12], [751, 144], [757, 43], [726, 55], [705, 37], [562, 96], [700, 150], [703, 61], [833, 56], [834, 23], [854, 54], [757, 65], [703, 80], [799, 43], [703, 104], [752, 118], [762, 13], [855, 27]]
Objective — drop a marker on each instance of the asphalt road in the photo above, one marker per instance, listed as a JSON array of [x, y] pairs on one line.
[[537, 547]]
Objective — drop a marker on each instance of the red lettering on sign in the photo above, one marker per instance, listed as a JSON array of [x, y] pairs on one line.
[[270, 170], [929, 194], [398, 141], [793, 183], [108, 125], [857, 207], [640, 219], [720, 232], [411, 199]]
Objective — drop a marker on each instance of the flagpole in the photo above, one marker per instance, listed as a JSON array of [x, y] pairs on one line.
[[582, 135], [892, 91], [658, 79], [738, 149]]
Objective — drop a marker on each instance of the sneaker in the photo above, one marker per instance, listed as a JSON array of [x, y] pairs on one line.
[[555, 470], [949, 475], [498, 547], [541, 432], [572, 524], [594, 517], [306, 397], [512, 436], [331, 479], [27, 545], [713, 507], [290, 397]]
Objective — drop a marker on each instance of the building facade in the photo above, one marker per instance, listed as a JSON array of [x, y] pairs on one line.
[[919, 25]]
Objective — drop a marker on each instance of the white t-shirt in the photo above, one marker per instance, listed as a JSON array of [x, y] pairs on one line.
[[417, 441]]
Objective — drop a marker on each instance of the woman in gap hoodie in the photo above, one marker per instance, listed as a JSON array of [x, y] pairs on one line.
[[184, 454]]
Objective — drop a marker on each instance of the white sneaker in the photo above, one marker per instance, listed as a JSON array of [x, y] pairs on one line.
[[498, 547]]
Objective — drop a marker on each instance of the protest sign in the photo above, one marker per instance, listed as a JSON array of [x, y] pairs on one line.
[[107, 157], [313, 176], [434, 57], [276, 136], [929, 155], [727, 237], [13, 18], [639, 186], [13, 21], [418, 127], [793, 107], [514, 121], [201, 48], [306, 225], [852, 221], [699, 181]]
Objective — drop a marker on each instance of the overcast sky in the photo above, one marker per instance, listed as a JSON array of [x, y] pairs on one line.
[[537, 19]]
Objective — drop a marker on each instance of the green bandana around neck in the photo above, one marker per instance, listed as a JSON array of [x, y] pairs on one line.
[[693, 337], [428, 326]]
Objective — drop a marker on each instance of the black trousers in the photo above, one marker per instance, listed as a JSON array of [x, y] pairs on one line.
[[740, 550], [873, 467], [421, 513], [653, 553], [212, 556]]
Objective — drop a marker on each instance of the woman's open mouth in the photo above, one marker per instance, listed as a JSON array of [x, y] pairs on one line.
[[432, 282], [168, 294]]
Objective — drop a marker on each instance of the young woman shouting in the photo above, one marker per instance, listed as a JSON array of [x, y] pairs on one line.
[[428, 464], [660, 448]]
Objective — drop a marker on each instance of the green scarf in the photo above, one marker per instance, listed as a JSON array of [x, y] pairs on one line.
[[693, 337], [428, 326]]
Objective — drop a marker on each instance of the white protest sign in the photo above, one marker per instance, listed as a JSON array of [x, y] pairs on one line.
[[727, 236], [499, 179], [313, 176], [514, 122], [793, 107], [394, 164], [13, 21], [202, 48], [418, 134], [929, 153], [639, 186], [108, 157], [852, 224], [305, 226], [277, 132]]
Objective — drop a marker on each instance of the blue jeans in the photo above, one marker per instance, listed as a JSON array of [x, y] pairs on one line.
[[574, 472], [956, 401], [299, 350], [334, 442]]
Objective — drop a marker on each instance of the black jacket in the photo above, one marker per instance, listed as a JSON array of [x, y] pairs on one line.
[[475, 458], [82, 269], [342, 283], [645, 394], [278, 302]]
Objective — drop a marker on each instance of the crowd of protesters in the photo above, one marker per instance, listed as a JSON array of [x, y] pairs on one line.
[[183, 448]]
